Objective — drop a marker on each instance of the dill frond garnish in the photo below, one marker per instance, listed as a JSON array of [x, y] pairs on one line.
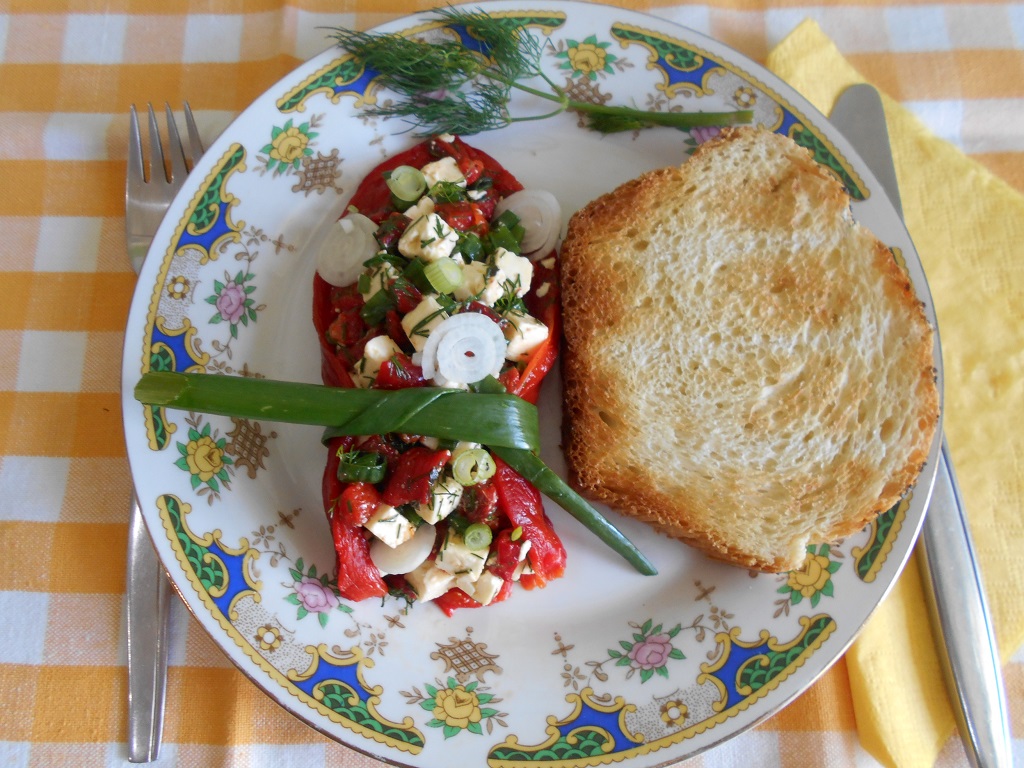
[[444, 87]]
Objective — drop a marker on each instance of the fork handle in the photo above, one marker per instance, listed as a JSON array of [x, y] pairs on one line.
[[149, 593]]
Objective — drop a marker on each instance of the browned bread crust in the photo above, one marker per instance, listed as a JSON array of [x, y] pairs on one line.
[[745, 367]]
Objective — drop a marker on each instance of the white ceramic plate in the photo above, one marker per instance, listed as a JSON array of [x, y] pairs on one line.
[[603, 666]]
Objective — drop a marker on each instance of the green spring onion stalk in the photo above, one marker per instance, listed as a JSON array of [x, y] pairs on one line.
[[444, 87], [448, 414], [506, 424], [530, 466]]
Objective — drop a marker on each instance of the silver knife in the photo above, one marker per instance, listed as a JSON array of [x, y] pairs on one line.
[[950, 574]]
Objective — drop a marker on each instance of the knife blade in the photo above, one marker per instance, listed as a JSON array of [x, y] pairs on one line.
[[952, 579]]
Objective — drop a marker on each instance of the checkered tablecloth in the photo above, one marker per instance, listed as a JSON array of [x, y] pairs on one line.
[[69, 69]]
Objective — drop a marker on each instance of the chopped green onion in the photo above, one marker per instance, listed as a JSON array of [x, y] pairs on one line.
[[406, 183], [361, 466], [507, 218], [444, 275], [414, 273], [501, 236], [432, 411], [376, 308], [469, 246], [517, 533], [473, 466], [477, 536]]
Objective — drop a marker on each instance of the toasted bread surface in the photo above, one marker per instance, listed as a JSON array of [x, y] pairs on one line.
[[745, 366]]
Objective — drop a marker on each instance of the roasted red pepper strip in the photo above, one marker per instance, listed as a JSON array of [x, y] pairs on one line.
[[400, 372], [358, 577], [543, 358], [414, 474], [522, 504], [333, 368]]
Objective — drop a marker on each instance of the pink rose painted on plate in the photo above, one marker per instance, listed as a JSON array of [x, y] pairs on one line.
[[314, 593], [650, 651], [231, 302], [314, 596]]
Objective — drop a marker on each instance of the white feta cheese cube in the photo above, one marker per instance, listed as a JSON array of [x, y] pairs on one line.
[[517, 269], [445, 169], [390, 526], [377, 350], [524, 333], [524, 565], [477, 285], [486, 588], [458, 559], [423, 318], [443, 500], [423, 207], [428, 237], [380, 277], [429, 581]]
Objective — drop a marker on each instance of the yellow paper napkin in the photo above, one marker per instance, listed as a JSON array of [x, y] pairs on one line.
[[968, 228]]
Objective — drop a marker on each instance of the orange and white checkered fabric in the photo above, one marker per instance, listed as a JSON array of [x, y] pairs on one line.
[[69, 69]]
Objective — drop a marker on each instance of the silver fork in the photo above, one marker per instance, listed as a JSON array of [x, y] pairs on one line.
[[147, 197]]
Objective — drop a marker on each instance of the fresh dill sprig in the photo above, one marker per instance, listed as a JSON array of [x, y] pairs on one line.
[[448, 88]]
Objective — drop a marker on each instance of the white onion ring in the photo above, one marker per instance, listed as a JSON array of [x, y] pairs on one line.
[[464, 348], [407, 555], [540, 214], [348, 243]]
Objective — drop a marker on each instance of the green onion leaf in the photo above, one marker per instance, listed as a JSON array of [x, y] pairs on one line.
[[361, 466], [506, 424], [477, 536], [444, 275], [448, 414], [530, 466], [555, 488]]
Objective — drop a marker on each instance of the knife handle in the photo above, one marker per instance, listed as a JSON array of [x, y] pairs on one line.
[[956, 598]]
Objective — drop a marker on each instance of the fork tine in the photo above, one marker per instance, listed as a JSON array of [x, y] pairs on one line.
[[195, 141], [136, 176], [177, 150], [156, 150]]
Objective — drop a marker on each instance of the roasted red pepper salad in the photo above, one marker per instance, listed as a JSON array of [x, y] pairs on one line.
[[441, 273]]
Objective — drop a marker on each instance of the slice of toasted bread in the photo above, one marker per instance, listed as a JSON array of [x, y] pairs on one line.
[[746, 367]]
